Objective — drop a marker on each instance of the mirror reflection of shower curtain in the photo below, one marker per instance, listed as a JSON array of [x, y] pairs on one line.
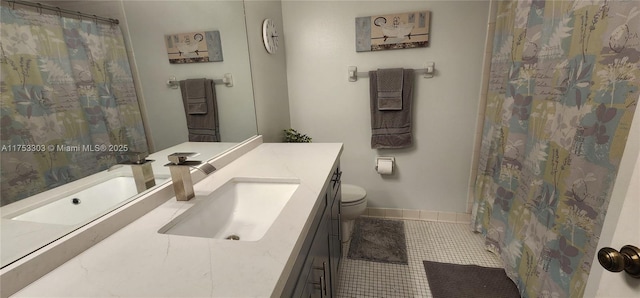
[[69, 107], [563, 90]]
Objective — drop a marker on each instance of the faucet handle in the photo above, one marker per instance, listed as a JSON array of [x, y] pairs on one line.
[[181, 157]]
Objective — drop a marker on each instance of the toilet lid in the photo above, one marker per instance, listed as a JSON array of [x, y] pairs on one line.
[[352, 193]]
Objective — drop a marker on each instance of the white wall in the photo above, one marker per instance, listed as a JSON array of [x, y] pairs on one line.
[[320, 44], [268, 71]]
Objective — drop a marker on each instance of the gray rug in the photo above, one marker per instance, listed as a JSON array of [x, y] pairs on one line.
[[378, 240], [459, 281]]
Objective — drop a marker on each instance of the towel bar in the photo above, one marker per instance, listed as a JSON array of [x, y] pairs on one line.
[[227, 80], [428, 72]]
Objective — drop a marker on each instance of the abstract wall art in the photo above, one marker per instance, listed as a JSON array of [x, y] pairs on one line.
[[194, 47], [392, 31]]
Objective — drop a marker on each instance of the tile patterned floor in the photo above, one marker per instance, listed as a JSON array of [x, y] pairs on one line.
[[426, 241]]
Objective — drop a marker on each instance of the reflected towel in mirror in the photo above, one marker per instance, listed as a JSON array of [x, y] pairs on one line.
[[203, 127]]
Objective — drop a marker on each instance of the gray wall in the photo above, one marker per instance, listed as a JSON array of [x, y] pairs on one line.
[[268, 71], [148, 22]]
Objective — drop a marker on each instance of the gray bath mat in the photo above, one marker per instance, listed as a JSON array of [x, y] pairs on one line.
[[378, 240], [458, 281]]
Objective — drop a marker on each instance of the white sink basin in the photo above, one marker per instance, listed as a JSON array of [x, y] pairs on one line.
[[241, 209], [85, 203]]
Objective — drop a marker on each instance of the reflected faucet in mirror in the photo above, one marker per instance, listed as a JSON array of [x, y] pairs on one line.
[[141, 168], [180, 170]]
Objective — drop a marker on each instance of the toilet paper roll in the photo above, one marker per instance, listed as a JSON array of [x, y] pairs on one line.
[[385, 167]]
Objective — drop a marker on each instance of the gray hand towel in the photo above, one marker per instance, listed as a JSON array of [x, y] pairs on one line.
[[391, 128], [196, 98], [390, 83], [202, 127]]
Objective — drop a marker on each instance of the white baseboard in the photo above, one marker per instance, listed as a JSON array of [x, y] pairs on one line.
[[425, 215]]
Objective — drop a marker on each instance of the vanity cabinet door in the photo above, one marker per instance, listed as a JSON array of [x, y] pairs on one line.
[[321, 252], [314, 279], [319, 278]]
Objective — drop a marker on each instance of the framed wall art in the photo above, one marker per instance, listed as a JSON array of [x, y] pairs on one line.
[[194, 47], [392, 31]]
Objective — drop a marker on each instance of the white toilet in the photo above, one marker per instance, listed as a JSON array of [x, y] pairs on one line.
[[352, 205]]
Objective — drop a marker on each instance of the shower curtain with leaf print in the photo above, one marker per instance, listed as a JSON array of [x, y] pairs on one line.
[[563, 89], [69, 107]]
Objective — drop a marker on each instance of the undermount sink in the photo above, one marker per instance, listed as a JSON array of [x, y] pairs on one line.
[[241, 209]]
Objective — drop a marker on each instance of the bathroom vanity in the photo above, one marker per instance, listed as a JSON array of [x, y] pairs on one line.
[[31, 223], [315, 273], [297, 254]]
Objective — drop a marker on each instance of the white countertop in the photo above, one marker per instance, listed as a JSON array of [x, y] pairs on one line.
[[137, 261], [19, 238]]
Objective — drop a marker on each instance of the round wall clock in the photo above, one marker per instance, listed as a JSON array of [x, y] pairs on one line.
[[270, 36]]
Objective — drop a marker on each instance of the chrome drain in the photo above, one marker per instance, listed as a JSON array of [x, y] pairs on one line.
[[233, 237]]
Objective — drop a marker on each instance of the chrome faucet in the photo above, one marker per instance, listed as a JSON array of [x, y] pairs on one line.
[[179, 167], [141, 168]]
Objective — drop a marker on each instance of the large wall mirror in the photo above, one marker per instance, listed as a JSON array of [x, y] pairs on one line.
[[27, 224]]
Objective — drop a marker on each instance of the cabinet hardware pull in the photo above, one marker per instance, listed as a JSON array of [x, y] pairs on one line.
[[324, 264], [336, 176], [321, 285], [323, 278], [323, 281]]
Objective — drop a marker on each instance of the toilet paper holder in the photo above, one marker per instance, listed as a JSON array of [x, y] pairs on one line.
[[381, 158]]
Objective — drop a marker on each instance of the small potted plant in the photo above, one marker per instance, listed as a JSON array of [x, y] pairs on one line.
[[293, 136]]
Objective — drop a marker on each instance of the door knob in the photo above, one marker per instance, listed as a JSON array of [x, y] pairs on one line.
[[627, 259]]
